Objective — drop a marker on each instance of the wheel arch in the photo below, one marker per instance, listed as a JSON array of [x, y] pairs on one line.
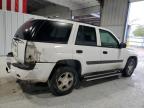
[[76, 64]]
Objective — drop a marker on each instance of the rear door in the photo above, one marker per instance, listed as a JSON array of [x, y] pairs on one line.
[[85, 48], [110, 51]]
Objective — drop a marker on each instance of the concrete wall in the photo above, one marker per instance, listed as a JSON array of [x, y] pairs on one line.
[[114, 16], [9, 23], [86, 11], [54, 10]]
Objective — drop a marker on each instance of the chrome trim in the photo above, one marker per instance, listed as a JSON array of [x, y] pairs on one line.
[[104, 77]]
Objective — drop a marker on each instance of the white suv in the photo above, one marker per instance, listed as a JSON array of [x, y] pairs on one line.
[[62, 53]]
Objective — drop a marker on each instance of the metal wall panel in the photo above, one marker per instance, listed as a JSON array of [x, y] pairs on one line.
[[14, 22], [26, 17], [20, 19], [114, 16], [8, 32], [9, 23], [2, 33]]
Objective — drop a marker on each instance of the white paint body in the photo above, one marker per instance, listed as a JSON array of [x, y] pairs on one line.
[[51, 53]]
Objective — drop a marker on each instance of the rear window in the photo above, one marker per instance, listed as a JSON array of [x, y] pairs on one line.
[[45, 31], [54, 32], [27, 30]]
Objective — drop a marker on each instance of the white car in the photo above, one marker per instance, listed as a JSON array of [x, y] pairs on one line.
[[62, 53]]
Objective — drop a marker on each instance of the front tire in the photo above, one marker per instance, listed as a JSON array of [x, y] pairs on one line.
[[129, 68], [63, 81]]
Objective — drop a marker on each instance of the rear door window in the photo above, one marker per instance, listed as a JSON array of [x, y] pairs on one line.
[[86, 36], [54, 32]]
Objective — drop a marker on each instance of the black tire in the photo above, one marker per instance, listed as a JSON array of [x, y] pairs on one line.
[[58, 79], [127, 72]]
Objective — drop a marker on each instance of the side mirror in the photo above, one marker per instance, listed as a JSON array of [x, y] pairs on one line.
[[122, 45]]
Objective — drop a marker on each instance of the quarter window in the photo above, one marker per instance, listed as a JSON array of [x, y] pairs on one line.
[[86, 36], [108, 40], [54, 32]]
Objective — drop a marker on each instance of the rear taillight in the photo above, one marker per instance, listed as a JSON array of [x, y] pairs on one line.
[[32, 55], [14, 48]]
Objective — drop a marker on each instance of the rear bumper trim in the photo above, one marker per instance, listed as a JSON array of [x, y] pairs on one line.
[[10, 54], [24, 66]]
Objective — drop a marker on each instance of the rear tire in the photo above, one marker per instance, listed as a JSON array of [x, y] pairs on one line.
[[63, 81], [129, 68]]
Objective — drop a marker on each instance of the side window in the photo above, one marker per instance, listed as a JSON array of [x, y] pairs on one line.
[[108, 40], [54, 32], [86, 36]]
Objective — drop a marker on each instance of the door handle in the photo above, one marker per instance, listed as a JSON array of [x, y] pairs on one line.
[[79, 51], [105, 52]]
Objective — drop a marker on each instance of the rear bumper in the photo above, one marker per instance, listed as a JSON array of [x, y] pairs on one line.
[[39, 73], [23, 66]]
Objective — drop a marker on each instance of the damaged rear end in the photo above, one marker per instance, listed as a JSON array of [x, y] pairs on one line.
[[36, 47], [23, 48], [24, 53]]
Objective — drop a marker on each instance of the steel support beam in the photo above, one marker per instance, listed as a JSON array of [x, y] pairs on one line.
[[114, 16]]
